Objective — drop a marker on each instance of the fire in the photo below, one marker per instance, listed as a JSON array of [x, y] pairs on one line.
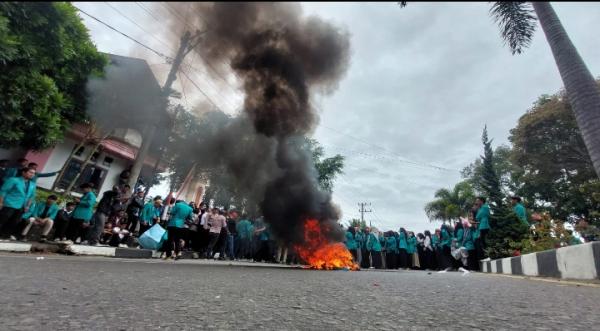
[[319, 253]]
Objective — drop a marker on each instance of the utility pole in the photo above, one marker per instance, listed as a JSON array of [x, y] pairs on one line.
[[186, 45], [362, 211]]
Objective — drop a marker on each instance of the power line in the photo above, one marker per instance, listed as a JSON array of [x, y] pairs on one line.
[[201, 91], [147, 11], [139, 26], [168, 58], [402, 159]]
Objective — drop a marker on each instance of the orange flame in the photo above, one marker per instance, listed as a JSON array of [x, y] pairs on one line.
[[319, 253]]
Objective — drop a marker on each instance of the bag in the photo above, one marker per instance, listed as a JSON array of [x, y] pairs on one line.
[[153, 238]]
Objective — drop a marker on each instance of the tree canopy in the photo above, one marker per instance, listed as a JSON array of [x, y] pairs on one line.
[[46, 57]]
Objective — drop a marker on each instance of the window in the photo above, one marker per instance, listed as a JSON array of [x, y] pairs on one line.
[[95, 157], [91, 174], [79, 152], [107, 161]]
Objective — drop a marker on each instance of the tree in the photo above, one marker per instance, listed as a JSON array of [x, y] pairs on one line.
[[46, 57], [451, 204], [490, 183], [355, 222], [517, 25], [508, 173], [327, 168], [556, 172]]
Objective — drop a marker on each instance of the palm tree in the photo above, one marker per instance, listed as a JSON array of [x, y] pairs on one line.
[[451, 204], [517, 25]]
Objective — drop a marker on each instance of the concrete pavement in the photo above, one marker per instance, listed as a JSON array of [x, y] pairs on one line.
[[59, 293]]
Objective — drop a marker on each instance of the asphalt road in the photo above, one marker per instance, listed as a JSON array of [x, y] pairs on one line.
[[62, 292]]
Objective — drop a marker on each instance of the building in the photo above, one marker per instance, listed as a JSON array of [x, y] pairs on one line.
[[123, 103]]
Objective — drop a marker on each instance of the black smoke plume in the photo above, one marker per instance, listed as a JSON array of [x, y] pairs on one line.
[[282, 58]]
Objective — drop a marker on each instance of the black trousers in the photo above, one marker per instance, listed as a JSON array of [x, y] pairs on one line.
[[391, 260], [422, 259], [365, 258], [60, 228], [403, 258], [213, 238], [9, 220], [472, 262], [482, 237], [133, 222], [376, 257], [447, 257], [175, 236], [77, 229], [143, 228], [354, 255]]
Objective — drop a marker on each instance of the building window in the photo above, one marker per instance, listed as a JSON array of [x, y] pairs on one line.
[[107, 161], [95, 157], [91, 174], [79, 152]]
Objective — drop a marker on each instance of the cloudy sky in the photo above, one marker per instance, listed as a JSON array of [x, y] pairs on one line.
[[408, 115]]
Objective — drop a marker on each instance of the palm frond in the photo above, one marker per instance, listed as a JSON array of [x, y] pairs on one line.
[[517, 23]]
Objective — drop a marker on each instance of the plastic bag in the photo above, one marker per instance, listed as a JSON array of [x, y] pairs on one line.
[[153, 238]]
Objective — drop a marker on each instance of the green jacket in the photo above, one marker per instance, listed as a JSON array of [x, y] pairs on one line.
[[149, 213], [391, 244], [469, 240], [483, 217], [244, 229], [10, 173], [17, 193], [402, 244], [350, 241], [39, 210], [446, 238], [360, 238], [574, 241], [459, 237], [30, 212], [373, 243], [435, 242], [179, 213], [521, 212], [85, 208], [411, 245]]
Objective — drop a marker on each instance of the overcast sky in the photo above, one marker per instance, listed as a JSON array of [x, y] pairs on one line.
[[408, 115]]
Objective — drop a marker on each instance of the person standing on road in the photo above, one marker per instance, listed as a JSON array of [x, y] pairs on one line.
[[374, 248], [16, 196], [150, 214], [103, 211], [351, 243], [483, 218], [391, 251], [179, 213], [245, 232], [82, 215], [413, 257], [365, 262], [216, 222], [134, 210]]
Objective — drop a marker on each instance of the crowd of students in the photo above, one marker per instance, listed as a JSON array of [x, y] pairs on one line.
[[457, 247], [120, 217]]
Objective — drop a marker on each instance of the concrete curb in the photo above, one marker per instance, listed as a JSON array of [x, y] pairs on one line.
[[52, 247], [573, 262]]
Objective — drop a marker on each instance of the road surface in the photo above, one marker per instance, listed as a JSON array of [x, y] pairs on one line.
[[66, 292]]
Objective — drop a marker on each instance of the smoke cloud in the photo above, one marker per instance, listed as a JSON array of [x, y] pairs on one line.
[[281, 58]]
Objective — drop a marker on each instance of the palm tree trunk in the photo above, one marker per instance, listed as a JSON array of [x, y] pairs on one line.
[[582, 90]]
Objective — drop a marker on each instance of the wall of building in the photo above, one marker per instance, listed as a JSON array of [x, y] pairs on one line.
[[59, 156]]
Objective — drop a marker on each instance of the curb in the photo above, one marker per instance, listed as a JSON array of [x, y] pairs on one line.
[[51, 247], [572, 262]]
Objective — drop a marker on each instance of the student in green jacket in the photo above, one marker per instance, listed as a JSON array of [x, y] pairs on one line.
[[470, 234], [351, 243], [391, 250], [483, 218], [519, 209], [365, 262], [179, 213], [82, 215], [150, 214], [402, 246], [16, 170], [43, 215], [445, 243], [16, 196], [374, 247], [411, 250]]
